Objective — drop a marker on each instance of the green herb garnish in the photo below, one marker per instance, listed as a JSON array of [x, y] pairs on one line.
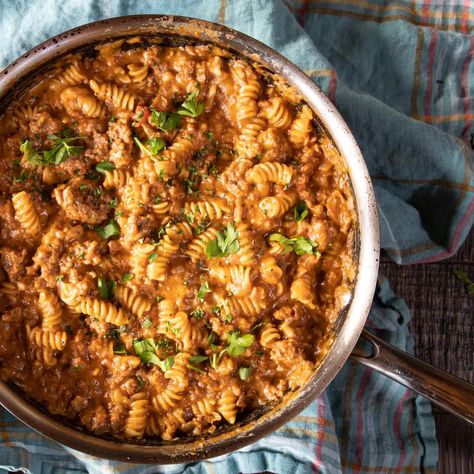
[[106, 288], [60, 152], [203, 290], [225, 243], [191, 107], [146, 323], [146, 350], [104, 166], [24, 175], [244, 373], [164, 121], [300, 245], [197, 359], [111, 229], [127, 277], [198, 313], [119, 348], [301, 211], [152, 146], [237, 345]]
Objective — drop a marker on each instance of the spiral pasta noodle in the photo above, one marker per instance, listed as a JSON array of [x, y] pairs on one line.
[[213, 208], [134, 303], [102, 310], [277, 113], [26, 214], [116, 179], [138, 72], [269, 335], [137, 416], [197, 247], [52, 340], [270, 172], [275, 206], [51, 309], [301, 127], [113, 93]]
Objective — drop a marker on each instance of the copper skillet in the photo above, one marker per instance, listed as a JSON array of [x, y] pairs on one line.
[[445, 390]]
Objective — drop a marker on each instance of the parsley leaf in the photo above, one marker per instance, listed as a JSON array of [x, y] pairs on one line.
[[300, 245], [197, 359], [111, 229], [152, 146], [198, 313], [62, 149], [164, 121], [146, 350], [127, 277], [21, 177], [225, 243], [237, 345], [191, 107], [104, 166], [146, 323], [203, 290], [244, 373], [119, 348], [106, 288], [30, 154], [301, 211]]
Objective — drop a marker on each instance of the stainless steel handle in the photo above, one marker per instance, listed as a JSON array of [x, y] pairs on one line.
[[443, 389]]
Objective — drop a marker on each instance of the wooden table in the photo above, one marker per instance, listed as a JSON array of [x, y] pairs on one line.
[[443, 329]]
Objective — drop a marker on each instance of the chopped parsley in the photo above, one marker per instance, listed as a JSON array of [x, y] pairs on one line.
[[62, 149], [244, 373], [106, 288], [197, 359], [146, 350], [119, 348], [111, 229], [146, 323], [127, 277], [225, 243], [203, 290], [198, 313], [164, 121], [104, 166], [191, 107], [301, 211], [151, 147], [24, 175], [113, 203], [152, 257], [300, 245], [237, 345]]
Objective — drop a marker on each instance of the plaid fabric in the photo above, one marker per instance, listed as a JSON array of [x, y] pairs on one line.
[[401, 75]]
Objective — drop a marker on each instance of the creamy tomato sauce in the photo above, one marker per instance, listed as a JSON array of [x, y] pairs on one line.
[[176, 240]]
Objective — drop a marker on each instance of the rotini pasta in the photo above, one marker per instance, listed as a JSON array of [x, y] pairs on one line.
[[26, 214], [114, 94]]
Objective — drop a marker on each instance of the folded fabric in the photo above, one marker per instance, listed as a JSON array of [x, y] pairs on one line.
[[399, 73]]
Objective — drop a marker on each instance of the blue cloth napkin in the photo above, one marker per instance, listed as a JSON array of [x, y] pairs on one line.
[[401, 75]]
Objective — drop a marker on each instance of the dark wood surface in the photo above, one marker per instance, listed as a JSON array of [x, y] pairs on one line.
[[443, 329]]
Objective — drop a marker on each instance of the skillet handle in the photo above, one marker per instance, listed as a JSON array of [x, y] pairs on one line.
[[443, 389]]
